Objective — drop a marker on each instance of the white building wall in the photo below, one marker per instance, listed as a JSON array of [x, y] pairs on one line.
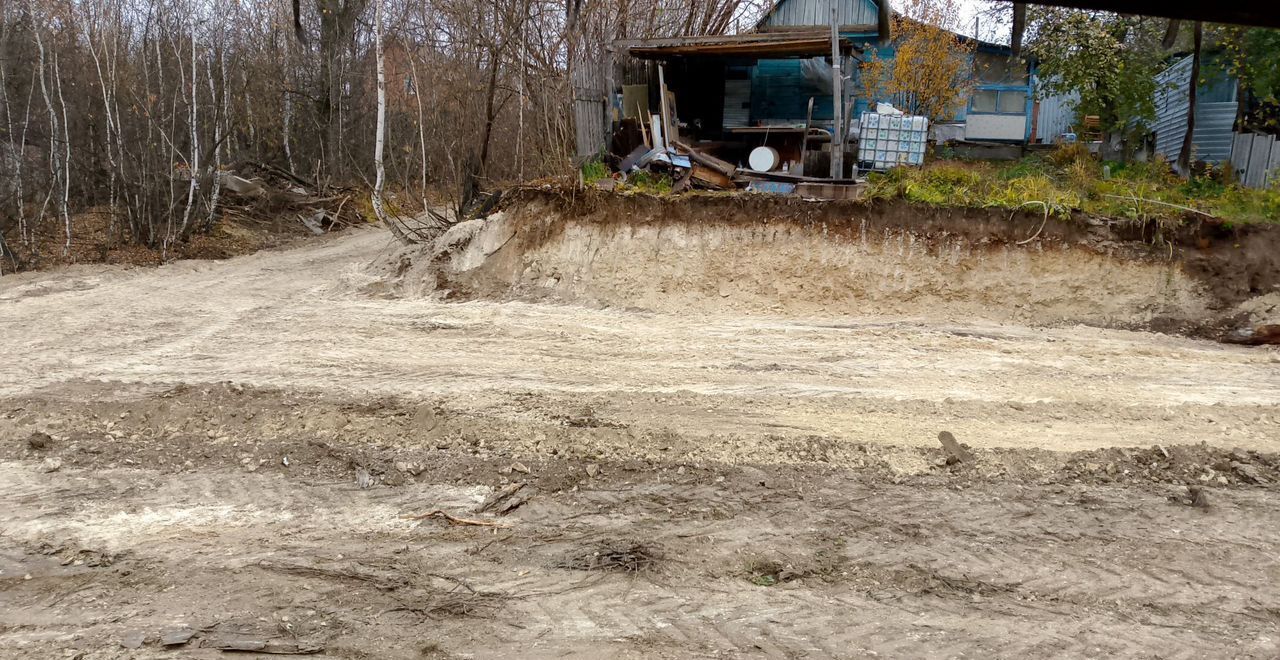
[[995, 127]]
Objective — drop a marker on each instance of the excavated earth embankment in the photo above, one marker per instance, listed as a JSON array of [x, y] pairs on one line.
[[778, 256]]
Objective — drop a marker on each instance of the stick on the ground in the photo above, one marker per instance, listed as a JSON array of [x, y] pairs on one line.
[[455, 520]]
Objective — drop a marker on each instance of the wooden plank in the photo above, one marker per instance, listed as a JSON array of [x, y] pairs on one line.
[[837, 191], [635, 101], [706, 160], [667, 134], [795, 47], [817, 32], [789, 178], [710, 177]]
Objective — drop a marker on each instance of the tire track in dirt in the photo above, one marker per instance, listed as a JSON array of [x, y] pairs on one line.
[[292, 319]]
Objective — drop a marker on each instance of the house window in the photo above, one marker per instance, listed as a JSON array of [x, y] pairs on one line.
[[1004, 102], [984, 101], [1013, 103]]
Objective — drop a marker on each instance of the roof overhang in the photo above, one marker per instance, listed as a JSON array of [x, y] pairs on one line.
[[815, 43]]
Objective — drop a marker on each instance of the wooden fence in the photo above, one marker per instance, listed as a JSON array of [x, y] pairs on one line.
[[1256, 160], [592, 81]]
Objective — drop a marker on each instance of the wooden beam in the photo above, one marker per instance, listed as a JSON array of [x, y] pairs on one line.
[[790, 47], [1260, 14]]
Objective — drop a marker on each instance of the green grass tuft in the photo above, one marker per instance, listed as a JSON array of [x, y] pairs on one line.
[[1069, 180]]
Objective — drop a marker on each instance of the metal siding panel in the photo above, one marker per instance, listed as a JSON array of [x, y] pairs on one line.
[[1259, 159], [818, 12], [1212, 139], [1240, 153], [1056, 115], [1274, 165]]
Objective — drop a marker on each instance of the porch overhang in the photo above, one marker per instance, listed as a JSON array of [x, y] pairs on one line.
[[773, 45]]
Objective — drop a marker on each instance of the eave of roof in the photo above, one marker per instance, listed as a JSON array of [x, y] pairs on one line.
[[756, 45]]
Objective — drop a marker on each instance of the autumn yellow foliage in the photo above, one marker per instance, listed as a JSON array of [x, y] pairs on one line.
[[931, 71]]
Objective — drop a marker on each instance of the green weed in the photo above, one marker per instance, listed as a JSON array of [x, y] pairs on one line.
[[1069, 179]]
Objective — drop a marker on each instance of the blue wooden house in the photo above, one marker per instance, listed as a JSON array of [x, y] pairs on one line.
[[738, 87], [1000, 108]]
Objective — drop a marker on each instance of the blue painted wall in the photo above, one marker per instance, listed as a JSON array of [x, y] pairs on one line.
[[780, 92]]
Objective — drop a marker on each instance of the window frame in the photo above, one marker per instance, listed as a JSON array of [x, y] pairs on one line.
[[1022, 109]]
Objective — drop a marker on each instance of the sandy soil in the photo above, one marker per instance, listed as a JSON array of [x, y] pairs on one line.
[[701, 485]]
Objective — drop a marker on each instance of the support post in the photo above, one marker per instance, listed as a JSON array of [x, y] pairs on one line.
[[837, 99], [667, 135]]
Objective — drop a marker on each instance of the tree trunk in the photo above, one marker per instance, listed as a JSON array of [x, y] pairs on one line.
[[380, 140], [1184, 155], [330, 70], [337, 26]]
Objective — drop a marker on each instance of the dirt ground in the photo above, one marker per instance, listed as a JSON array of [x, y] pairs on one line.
[[228, 455]]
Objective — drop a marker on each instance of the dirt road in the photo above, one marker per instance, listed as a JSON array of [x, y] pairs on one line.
[[700, 486]]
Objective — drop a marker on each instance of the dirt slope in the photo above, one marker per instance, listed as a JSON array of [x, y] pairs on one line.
[[762, 255]]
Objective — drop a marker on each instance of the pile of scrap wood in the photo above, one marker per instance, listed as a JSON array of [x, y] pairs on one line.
[[687, 166], [690, 167], [693, 168], [264, 192]]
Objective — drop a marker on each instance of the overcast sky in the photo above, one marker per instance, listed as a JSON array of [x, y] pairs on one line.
[[988, 29]]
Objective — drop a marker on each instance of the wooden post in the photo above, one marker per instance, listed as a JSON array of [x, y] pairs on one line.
[[837, 99]]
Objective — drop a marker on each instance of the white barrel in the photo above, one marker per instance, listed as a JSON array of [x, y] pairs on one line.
[[763, 159]]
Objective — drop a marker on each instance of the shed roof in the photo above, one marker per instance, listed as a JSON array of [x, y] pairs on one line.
[[758, 45]]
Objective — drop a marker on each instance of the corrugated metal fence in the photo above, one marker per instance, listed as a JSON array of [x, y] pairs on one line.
[[1212, 139], [1055, 116], [1256, 159]]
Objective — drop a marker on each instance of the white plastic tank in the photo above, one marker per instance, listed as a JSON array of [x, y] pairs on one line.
[[763, 159]]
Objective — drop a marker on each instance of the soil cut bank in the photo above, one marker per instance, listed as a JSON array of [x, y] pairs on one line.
[[760, 255]]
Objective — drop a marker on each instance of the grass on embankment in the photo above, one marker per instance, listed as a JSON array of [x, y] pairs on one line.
[[1069, 179]]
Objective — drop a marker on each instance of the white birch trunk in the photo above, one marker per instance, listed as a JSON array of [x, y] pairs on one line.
[[66, 161], [379, 207], [108, 92], [422, 131], [53, 129], [287, 120], [193, 118], [218, 134]]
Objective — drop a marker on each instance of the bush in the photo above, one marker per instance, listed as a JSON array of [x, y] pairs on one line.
[[1067, 154]]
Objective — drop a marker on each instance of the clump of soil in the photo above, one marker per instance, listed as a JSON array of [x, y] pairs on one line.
[[615, 555]]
